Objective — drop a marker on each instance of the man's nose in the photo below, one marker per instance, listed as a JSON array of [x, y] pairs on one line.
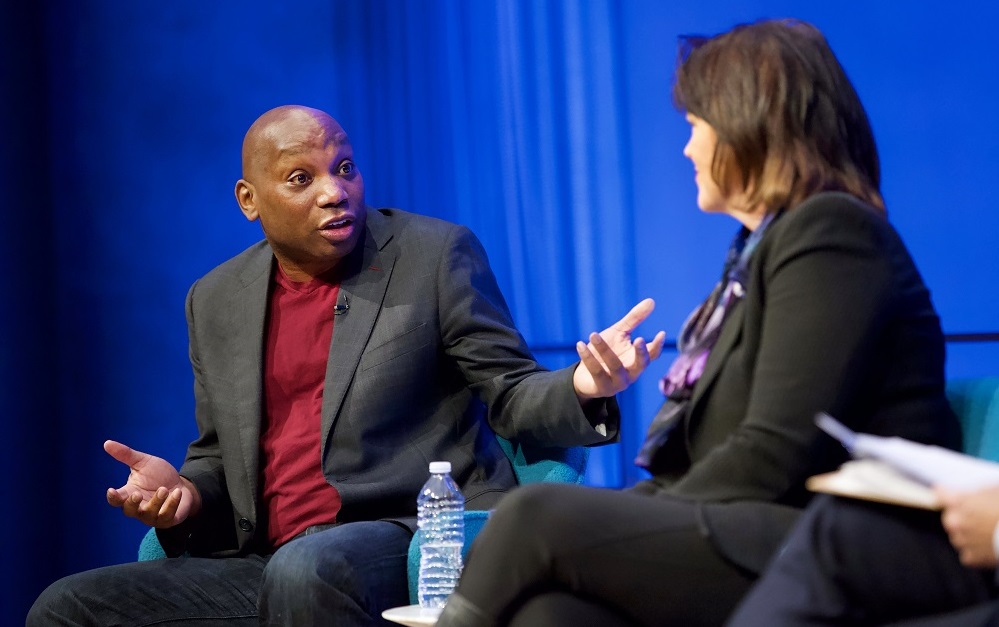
[[332, 192]]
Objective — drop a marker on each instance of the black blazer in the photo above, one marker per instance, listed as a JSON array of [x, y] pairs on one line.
[[424, 365], [836, 318]]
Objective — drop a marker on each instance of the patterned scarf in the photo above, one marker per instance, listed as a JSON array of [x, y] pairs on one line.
[[697, 337]]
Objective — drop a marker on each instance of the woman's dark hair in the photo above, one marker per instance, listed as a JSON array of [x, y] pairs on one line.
[[788, 120]]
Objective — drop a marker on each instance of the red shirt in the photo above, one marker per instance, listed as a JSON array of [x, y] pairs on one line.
[[299, 329]]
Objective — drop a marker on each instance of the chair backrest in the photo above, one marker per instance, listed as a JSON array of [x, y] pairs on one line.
[[976, 403], [533, 464]]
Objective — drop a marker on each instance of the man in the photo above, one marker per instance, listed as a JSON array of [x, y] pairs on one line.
[[332, 362], [851, 562]]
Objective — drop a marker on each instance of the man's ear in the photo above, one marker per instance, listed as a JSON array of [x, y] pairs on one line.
[[246, 197]]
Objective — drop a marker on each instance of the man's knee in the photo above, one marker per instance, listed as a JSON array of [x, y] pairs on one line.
[[56, 605], [298, 565], [346, 575], [41, 612]]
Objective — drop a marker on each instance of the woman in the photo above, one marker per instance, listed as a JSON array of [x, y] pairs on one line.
[[819, 308]]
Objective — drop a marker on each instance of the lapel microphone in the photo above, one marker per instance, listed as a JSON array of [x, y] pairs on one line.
[[339, 309]]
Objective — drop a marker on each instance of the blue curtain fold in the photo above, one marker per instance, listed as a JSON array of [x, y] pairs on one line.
[[522, 137]]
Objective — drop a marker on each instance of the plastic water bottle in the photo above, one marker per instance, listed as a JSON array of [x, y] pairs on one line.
[[441, 521]]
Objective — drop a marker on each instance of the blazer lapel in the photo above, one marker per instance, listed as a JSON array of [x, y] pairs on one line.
[[249, 311], [363, 287]]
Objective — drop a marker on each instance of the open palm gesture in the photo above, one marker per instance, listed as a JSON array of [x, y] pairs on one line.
[[154, 492], [612, 361]]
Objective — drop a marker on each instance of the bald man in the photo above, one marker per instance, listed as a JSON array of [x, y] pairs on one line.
[[332, 361]]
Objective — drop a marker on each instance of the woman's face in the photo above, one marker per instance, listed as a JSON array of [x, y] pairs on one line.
[[700, 149]]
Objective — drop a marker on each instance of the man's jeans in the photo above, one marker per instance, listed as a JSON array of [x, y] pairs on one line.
[[345, 575]]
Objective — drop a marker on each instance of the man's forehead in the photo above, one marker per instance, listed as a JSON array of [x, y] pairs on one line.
[[301, 127], [302, 140], [285, 132]]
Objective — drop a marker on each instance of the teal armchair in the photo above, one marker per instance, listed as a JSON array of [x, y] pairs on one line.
[[149, 548], [976, 402]]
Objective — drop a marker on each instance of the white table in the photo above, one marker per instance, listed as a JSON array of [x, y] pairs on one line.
[[412, 615]]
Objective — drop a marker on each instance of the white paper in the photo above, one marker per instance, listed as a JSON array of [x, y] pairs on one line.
[[930, 465]]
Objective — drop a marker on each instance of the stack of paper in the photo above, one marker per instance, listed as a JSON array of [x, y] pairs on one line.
[[895, 470]]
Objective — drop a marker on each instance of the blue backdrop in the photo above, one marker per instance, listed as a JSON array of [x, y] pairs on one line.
[[546, 127]]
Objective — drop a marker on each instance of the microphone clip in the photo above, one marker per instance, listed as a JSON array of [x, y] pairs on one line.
[[339, 309]]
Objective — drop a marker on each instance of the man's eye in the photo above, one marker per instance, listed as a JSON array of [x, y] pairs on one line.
[[345, 168], [300, 178]]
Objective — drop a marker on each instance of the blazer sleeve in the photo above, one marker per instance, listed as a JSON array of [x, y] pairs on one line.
[[823, 294], [525, 401]]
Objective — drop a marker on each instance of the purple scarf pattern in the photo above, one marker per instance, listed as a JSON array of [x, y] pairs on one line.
[[698, 336]]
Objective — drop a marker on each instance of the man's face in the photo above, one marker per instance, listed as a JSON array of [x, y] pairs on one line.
[[307, 193]]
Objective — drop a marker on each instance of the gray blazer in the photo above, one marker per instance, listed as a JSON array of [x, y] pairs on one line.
[[424, 365]]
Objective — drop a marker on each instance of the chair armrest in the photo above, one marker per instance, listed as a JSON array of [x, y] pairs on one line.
[[149, 548], [976, 403]]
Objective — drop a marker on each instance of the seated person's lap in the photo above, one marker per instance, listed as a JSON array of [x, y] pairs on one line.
[[360, 566]]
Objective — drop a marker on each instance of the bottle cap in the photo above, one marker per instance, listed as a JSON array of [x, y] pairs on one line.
[[437, 468]]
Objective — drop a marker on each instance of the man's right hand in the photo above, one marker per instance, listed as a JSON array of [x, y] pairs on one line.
[[154, 493], [612, 361]]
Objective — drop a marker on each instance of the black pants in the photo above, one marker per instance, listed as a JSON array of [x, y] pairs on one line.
[[553, 552], [851, 562]]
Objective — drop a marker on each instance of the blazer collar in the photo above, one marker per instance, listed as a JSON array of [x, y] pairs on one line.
[[363, 286], [248, 314]]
